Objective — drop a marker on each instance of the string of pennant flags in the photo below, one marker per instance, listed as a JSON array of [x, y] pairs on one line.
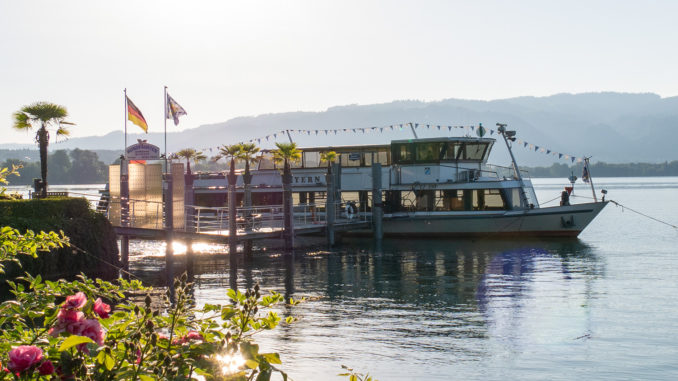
[[480, 130]]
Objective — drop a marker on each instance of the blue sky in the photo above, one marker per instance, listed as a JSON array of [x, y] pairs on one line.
[[223, 59]]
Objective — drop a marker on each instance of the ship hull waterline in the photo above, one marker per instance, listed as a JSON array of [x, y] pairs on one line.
[[558, 221]]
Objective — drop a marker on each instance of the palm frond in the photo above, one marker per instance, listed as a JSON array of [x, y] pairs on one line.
[[21, 121], [63, 131]]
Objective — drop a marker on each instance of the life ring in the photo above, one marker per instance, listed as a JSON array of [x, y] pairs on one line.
[[351, 210]]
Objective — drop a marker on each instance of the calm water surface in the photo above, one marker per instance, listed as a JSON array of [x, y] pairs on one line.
[[603, 306]]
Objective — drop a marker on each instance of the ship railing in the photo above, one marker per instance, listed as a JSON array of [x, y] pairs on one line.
[[140, 213], [264, 218], [501, 172]]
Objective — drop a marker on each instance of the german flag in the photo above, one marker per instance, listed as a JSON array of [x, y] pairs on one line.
[[135, 115]]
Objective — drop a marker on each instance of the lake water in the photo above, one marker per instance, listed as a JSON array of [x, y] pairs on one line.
[[603, 306]]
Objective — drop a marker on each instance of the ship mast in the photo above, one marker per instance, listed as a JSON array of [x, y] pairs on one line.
[[511, 135]]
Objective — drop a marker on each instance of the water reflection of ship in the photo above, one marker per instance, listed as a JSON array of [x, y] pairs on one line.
[[441, 271], [540, 289]]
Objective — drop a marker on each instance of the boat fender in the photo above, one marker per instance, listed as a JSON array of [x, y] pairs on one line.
[[351, 209]]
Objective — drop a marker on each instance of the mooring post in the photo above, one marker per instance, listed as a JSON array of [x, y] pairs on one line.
[[377, 205], [169, 236], [189, 221], [124, 215], [288, 210], [330, 208], [232, 217]]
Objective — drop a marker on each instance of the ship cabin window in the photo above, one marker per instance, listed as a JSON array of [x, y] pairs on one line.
[[266, 161], [445, 200], [381, 157], [493, 199], [350, 159], [428, 152], [474, 151], [311, 159], [435, 152], [403, 153], [364, 158]]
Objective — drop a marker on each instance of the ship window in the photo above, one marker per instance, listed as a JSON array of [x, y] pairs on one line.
[[311, 159], [266, 162], [450, 151], [381, 157], [368, 159], [475, 151], [428, 152], [402, 153], [450, 200], [493, 200], [350, 159], [515, 198]]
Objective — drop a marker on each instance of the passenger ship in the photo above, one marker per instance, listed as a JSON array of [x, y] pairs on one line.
[[440, 187]]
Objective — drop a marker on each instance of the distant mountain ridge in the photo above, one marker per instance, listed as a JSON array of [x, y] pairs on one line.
[[611, 127]]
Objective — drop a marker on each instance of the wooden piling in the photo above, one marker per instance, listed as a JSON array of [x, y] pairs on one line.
[[169, 236], [330, 207], [288, 211], [189, 221], [377, 205], [232, 218]]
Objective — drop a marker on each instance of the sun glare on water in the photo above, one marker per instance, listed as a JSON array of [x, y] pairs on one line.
[[231, 363]]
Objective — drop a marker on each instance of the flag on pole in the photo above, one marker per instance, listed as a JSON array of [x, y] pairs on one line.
[[585, 175], [174, 110], [135, 116]]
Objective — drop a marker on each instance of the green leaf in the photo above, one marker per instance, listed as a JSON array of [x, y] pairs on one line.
[[249, 351], [109, 362], [272, 358], [265, 375], [251, 364], [144, 377], [74, 340], [202, 372]]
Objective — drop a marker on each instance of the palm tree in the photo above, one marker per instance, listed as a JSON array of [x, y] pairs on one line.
[[44, 115], [229, 152], [191, 154], [329, 157], [247, 154], [286, 153]]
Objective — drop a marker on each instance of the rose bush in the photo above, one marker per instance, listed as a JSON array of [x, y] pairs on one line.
[[96, 330], [53, 329]]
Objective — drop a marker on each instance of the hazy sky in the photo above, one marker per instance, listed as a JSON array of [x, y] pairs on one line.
[[222, 59]]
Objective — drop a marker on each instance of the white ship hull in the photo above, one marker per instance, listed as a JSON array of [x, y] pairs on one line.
[[559, 221]]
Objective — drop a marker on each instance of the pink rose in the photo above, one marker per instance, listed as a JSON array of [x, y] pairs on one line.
[[89, 328], [193, 335], [102, 309], [65, 321], [75, 302], [23, 357], [190, 336], [46, 368], [70, 316]]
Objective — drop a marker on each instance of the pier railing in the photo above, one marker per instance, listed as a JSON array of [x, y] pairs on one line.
[[268, 218]]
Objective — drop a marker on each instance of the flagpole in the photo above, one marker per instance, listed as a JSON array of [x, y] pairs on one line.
[[165, 106], [124, 151], [588, 170]]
